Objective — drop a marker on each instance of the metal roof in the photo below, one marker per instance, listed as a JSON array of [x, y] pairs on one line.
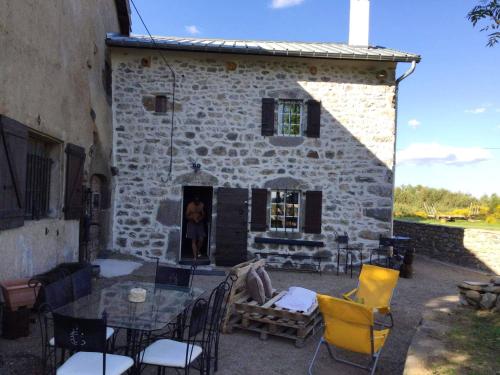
[[256, 47]]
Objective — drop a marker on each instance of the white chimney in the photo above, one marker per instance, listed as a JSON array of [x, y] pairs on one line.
[[359, 22]]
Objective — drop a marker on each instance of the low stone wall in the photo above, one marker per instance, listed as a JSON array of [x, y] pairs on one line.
[[473, 248]]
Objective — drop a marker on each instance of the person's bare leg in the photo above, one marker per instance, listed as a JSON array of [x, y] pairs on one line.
[[200, 244], [194, 246]]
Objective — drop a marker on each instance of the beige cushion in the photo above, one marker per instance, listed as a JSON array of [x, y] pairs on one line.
[[266, 281], [255, 287]]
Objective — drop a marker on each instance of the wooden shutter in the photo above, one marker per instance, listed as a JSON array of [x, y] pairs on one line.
[[314, 203], [231, 230], [313, 118], [73, 197], [13, 152], [259, 210], [267, 128]]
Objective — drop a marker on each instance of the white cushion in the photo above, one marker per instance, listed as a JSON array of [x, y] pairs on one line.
[[90, 363], [169, 353], [109, 333]]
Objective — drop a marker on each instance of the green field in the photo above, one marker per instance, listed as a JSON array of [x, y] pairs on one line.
[[458, 223]]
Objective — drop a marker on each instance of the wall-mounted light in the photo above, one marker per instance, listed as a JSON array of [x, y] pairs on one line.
[[196, 167], [381, 75]]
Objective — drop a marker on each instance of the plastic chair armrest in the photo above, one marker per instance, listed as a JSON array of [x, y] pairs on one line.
[[348, 295]]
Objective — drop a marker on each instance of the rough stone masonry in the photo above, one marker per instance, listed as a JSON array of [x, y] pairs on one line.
[[217, 124]]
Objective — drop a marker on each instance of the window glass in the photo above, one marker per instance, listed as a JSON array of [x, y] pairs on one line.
[[289, 117], [285, 210]]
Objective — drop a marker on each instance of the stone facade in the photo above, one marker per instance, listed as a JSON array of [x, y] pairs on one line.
[[473, 248], [218, 125], [52, 80]]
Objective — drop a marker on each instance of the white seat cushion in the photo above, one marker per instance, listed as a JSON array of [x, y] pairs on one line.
[[90, 363], [169, 353], [109, 333]]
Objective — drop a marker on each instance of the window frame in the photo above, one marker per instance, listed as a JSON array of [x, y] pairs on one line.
[[280, 117], [297, 216]]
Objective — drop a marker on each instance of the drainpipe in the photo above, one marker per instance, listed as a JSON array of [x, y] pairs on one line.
[[410, 70]]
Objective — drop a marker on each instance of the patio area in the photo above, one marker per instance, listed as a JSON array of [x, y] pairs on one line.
[[244, 353]]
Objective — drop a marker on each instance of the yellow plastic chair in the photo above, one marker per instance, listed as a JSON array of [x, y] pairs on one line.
[[350, 326], [375, 288]]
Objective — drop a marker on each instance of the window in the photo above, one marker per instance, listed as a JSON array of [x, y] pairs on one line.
[[285, 210], [38, 172], [160, 104], [290, 117]]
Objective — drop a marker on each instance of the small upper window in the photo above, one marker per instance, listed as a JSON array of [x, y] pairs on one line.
[[290, 117], [160, 104], [285, 209]]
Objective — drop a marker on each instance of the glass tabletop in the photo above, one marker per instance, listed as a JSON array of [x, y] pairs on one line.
[[162, 305]]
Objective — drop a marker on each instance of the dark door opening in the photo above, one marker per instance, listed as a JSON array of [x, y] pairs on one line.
[[205, 193]]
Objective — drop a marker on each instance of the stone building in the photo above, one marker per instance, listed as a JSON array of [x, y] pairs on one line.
[[55, 133], [286, 144]]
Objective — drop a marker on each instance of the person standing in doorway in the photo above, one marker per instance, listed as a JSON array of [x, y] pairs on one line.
[[195, 214]]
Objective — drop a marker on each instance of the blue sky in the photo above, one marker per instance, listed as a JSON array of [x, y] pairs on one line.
[[449, 109]]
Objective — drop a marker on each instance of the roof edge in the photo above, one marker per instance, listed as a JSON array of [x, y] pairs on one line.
[[124, 41]]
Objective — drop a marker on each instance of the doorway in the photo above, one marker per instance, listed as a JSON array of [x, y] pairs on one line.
[[205, 194]]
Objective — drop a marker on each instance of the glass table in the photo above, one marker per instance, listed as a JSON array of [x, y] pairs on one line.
[[163, 305]]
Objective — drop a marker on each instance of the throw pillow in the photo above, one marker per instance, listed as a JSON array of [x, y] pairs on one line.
[[266, 280], [255, 287]]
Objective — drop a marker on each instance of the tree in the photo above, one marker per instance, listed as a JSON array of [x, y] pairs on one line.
[[487, 12]]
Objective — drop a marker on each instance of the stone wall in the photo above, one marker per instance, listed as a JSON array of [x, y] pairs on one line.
[[217, 124], [52, 60], [474, 248]]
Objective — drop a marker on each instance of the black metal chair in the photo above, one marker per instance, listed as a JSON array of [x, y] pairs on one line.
[[87, 339], [185, 352], [342, 246], [217, 303], [384, 249], [174, 276]]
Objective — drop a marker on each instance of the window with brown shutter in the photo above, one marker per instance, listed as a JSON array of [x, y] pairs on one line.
[[314, 202], [267, 128], [313, 118], [259, 210], [13, 145], [73, 198]]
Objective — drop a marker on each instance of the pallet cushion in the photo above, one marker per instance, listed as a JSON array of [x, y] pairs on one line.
[[266, 281], [255, 287]]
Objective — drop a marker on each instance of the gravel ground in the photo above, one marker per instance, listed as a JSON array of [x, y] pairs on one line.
[[244, 353]]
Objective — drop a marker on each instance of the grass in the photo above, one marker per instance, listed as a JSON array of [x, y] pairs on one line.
[[458, 223], [474, 340]]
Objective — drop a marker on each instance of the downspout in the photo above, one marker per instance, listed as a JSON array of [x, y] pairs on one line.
[[410, 70]]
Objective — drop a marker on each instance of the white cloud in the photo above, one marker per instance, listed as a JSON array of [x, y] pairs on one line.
[[476, 110], [192, 29], [278, 4], [434, 153], [414, 123]]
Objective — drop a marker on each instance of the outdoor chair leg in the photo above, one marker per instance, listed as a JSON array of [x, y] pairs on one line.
[[315, 354], [338, 261]]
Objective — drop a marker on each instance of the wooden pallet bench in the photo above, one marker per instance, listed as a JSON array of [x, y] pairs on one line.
[[267, 319]]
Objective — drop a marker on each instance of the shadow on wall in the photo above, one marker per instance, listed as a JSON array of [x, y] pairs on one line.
[[351, 162], [472, 248]]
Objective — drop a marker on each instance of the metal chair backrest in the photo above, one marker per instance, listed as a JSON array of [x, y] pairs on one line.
[[376, 286], [385, 242], [197, 324], [348, 325], [82, 282], [80, 335], [174, 276], [342, 241], [216, 302]]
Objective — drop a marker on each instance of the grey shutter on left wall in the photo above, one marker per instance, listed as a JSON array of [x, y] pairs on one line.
[[13, 155], [267, 126], [73, 197], [313, 119], [314, 204]]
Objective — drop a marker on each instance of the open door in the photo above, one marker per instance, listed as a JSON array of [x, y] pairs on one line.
[[205, 194], [232, 226]]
